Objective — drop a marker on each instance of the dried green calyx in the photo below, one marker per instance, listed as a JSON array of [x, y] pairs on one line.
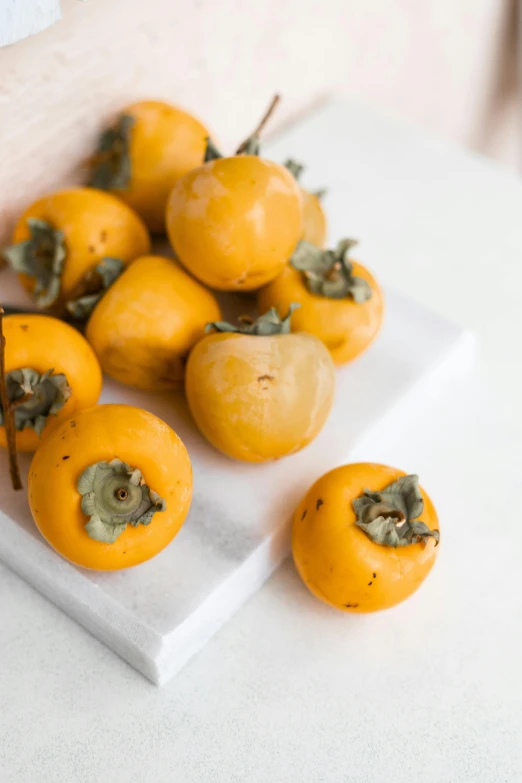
[[42, 258], [296, 169], [113, 496], [330, 272], [252, 146], [391, 517], [112, 168], [93, 287], [268, 324], [35, 397]]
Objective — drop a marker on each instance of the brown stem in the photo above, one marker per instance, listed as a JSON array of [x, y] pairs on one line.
[[261, 124], [9, 424], [333, 272]]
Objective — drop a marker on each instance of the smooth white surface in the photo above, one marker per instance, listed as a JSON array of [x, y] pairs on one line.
[[290, 690], [159, 614]]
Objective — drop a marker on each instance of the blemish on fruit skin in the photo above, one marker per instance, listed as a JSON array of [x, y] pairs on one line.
[[67, 456], [351, 606], [24, 327], [266, 378], [304, 514], [319, 504], [375, 576], [103, 236], [72, 423], [370, 583], [91, 249]]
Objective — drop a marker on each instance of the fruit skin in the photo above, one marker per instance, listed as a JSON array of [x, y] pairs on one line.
[[336, 559], [147, 322], [95, 225], [103, 433], [346, 328], [43, 343], [314, 219], [235, 222], [259, 398], [165, 143]]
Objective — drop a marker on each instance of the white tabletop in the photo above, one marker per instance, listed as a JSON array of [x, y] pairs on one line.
[[291, 690]]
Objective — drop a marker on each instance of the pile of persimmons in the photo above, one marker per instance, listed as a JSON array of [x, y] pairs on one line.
[[110, 485]]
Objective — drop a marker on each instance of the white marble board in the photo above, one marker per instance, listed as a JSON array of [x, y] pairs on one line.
[[157, 615]]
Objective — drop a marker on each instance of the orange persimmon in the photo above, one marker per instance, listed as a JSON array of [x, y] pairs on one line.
[[53, 369], [314, 217], [365, 537], [140, 158], [258, 392], [146, 323], [235, 221], [110, 487], [62, 237], [341, 302]]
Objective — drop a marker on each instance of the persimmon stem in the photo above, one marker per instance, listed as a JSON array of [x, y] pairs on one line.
[[260, 127], [9, 423]]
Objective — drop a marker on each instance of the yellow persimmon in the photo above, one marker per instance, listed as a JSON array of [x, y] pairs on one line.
[[341, 302], [52, 372], [235, 221], [140, 158], [59, 240], [110, 487], [146, 323], [257, 392], [365, 537], [314, 217]]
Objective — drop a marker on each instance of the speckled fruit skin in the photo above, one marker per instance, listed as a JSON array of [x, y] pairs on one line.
[[95, 225], [260, 398], [165, 143], [346, 328], [338, 562], [147, 322], [235, 222], [103, 433], [42, 343]]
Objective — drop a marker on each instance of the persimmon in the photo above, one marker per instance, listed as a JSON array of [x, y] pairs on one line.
[[61, 240], [341, 302], [235, 221], [314, 218], [148, 320], [365, 536], [110, 487], [258, 392], [143, 154], [51, 372]]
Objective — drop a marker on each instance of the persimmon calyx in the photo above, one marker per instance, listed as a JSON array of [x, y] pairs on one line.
[[252, 146], [296, 169], [115, 495], [93, 286], [111, 164], [35, 397], [266, 325], [330, 272], [41, 257], [211, 151], [391, 517]]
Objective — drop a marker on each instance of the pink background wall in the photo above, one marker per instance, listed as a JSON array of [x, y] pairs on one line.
[[446, 65]]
